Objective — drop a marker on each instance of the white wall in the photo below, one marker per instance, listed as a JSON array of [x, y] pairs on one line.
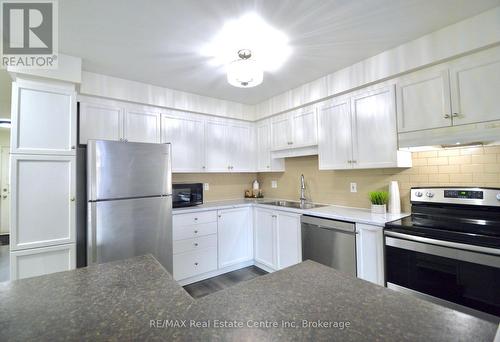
[[5, 94]]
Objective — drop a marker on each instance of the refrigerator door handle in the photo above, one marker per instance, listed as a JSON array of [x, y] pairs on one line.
[[91, 233]]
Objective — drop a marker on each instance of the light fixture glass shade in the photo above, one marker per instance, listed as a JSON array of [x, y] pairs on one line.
[[244, 73]]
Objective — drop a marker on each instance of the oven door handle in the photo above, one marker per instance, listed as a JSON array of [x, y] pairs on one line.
[[443, 249]]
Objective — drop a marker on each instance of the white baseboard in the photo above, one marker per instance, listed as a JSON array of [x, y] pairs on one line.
[[264, 267]]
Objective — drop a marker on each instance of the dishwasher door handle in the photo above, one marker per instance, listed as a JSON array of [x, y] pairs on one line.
[[338, 230]]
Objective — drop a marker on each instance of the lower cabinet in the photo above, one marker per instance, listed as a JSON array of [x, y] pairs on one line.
[[234, 236], [370, 253], [39, 261], [195, 262], [277, 238]]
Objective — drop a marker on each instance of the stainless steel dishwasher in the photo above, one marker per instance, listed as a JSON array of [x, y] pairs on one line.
[[329, 242]]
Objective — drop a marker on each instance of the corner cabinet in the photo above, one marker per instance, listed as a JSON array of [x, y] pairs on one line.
[[235, 238], [358, 131], [295, 129], [265, 162], [370, 253], [277, 239]]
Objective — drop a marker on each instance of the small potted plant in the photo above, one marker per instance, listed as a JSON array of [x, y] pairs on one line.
[[379, 201]]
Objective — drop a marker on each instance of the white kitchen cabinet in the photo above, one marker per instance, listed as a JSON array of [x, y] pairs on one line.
[[39, 261], [334, 135], [277, 238], [264, 237], [475, 81], [141, 125], [359, 131], [370, 253], [229, 147], [423, 100], [194, 263], [265, 162], [100, 122], [295, 129], [288, 239], [187, 136], [43, 200], [235, 238], [43, 118]]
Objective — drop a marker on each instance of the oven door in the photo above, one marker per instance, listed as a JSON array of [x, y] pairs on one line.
[[445, 272], [187, 195]]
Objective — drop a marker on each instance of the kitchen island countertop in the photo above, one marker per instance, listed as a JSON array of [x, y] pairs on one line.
[[135, 299]]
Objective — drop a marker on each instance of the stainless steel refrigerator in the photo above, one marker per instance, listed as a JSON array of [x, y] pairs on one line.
[[129, 188]]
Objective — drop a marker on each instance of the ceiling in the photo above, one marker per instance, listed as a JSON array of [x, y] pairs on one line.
[[159, 42]]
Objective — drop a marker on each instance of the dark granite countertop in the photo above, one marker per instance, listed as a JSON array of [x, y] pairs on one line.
[[121, 300]]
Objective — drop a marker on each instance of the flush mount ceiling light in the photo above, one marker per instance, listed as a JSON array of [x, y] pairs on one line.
[[244, 72], [247, 47]]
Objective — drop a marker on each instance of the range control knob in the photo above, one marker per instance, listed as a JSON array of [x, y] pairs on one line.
[[498, 196], [429, 194], [418, 194]]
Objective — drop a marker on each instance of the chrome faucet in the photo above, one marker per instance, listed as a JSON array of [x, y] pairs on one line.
[[302, 190]]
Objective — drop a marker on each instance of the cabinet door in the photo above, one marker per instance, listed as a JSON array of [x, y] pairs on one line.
[[39, 261], [475, 82], [216, 156], [187, 138], [240, 142], [264, 237], [305, 127], [423, 100], [264, 161], [100, 122], [234, 236], [370, 253], [142, 126], [288, 240], [334, 130], [43, 201], [374, 129], [43, 118], [281, 132]]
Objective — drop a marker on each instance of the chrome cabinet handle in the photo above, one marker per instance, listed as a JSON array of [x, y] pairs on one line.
[[447, 116], [196, 219], [196, 232], [196, 264], [196, 244], [454, 115]]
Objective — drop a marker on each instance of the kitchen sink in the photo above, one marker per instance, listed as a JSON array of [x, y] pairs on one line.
[[293, 204]]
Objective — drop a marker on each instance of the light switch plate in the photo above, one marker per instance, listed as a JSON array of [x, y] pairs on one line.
[[274, 184], [354, 187], [206, 186]]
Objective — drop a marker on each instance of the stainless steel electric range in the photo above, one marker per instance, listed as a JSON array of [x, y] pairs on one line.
[[448, 250]]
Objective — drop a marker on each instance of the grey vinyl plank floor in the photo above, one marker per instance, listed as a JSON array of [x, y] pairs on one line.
[[4, 263], [211, 285]]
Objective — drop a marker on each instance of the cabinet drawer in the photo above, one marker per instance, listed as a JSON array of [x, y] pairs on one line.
[[195, 230], [194, 218], [195, 244], [194, 263]]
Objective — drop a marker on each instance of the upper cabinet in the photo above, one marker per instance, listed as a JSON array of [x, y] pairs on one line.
[[100, 122], [43, 118], [265, 163], [463, 91], [142, 125], [229, 146], [423, 100], [295, 129], [359, 131], [187, 136], [475, 84]]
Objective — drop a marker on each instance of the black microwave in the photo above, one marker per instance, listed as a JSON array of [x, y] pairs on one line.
[[187, 194]]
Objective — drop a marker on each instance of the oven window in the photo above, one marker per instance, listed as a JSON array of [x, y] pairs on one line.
[[468, 284]]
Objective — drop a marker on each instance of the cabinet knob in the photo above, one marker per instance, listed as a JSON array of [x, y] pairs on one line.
[[354, 161], [268, 166], [220, 216], [196, 232], [446, 116], [4, 196], [196, 244], [203, 167], [196, 219], [454, 115], [196, 264], [349, 161], [72, 199], [73, 147]]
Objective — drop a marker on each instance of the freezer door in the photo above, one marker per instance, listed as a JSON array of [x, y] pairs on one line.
[[126, 228], [126, 170]]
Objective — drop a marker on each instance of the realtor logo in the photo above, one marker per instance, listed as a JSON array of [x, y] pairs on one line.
[[29, 34]]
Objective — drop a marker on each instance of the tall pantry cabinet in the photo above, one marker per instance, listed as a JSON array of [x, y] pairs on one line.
[[43, 177]]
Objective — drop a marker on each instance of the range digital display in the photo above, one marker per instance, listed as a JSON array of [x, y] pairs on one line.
[[467, 194]]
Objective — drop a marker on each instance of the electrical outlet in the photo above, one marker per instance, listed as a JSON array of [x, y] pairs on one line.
[[206, 186], [354, 187], [274, 184]]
